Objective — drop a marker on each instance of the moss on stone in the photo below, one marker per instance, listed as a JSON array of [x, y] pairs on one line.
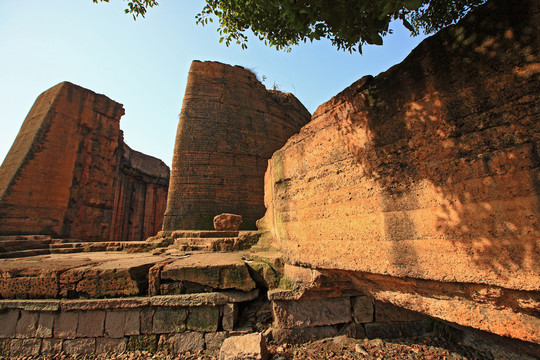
[[142, 343], [203, 318]]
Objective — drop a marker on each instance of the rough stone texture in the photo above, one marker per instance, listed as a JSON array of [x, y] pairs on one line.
[[8, 319], [69, 173], [229, 127], [230, 316], [302, 335], [133, 323], [25, 347], [27, 325], [252, 347], [428, 171], [51, 346], [213, 341], [227, 222], [308, 313], [83, 346], [91, 324], [115, 324], [65, 325], [169, 320], [187, 341], [142, 343], [203, 318], [362, 309], [45, 325], [105, 345], [214, 271], [396, 329]]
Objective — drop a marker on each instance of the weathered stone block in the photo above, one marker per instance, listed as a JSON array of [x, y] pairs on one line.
[[188, 341], [393, 330], [8, 319], [147, 316], [203, 318], [301, 335], [308, 313], [27, 324], [227, 222], [107, 345], [25, 347], [169, 320], [132, 323], [45, 325], [83, 346], [142, 343], [385, 312], [251, 346], [91, 324], [65, 325], [217, 271], [51, 346], [230, 316], [362, 309], [115, 324], [214, 340]]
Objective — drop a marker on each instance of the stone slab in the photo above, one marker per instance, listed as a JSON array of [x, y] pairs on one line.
[[91, 324], [203, 318], [25, 347], [8, 319], [83, 346], [309, 313], [219, 271], [115, 324]]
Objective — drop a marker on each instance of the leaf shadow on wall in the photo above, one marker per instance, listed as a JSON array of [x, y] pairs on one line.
[[454, 129]]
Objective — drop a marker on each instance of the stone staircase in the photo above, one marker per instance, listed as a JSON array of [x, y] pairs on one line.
[[213, 240], [14, 246]]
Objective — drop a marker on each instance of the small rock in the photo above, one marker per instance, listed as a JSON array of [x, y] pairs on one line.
[[227, 222], [245, 347], [359, 349]]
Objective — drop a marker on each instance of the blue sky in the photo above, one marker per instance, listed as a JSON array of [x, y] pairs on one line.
[[143, 64]]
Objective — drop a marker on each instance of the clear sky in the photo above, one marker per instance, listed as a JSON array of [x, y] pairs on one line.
[[143, 64]]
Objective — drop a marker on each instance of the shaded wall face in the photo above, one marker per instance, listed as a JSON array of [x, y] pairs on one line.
[[65, 172], [427, 171], [140, 196], [229, 127]]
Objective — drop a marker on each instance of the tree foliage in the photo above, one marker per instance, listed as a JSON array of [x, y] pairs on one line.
[[348, 24]]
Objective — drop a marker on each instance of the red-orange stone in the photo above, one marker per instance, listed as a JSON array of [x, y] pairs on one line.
[[70, 174], [230, 222], [428, 171], [229, 127]]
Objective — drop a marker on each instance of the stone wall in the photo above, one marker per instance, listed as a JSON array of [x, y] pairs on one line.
[[69, 170], [175, 324], [423, 182], [229, 127]]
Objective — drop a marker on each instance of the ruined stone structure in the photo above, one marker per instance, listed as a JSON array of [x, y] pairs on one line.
[[410, 198], [229, 127], [69, 174], [421, 185]]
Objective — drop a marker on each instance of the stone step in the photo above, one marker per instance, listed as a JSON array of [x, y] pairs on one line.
[[26, 244], [205, 244], [23, 253], [204, 234]]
